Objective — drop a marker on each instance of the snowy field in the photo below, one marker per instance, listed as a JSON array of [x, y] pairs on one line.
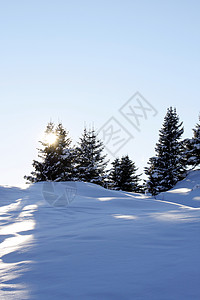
[[103, 245]]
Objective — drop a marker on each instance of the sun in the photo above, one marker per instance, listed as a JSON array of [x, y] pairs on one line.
[[51, 138]]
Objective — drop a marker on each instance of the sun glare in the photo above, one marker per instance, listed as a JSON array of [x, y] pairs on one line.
[[51, 138]]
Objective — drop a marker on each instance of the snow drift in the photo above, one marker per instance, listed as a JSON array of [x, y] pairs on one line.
[[185, 192], [103, 245]]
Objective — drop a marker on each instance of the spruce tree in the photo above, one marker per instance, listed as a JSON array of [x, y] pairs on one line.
[[114, 177], [167, 167], [55, 156], [153, 182], [192, 148], [123, 175], [65, 154], [90, 160]]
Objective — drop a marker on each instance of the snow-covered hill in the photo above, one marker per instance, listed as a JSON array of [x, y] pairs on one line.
[[103, 245], [185, 192]]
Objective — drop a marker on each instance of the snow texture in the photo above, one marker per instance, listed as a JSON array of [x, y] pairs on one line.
[[104, 245]]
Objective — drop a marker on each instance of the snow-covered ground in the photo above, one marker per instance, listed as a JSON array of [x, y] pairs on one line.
[[186, 192], [103, 245]]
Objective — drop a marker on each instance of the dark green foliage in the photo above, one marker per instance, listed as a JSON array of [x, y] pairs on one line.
[[56, 159], [90, 160], [192, 148], [153, 183], [123, 175], [115, 175], [167, 167]]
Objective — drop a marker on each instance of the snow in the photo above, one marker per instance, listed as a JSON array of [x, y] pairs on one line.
[[104, 245], [186, 192]]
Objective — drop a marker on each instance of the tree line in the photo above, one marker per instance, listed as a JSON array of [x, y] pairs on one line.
[[59, 160]]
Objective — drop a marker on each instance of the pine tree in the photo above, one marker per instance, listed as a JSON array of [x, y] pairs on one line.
[[123, 175], [115, 175], [55, 162], [192, 148], [167, 167], [65, 154], [90, 160], [153, 183]]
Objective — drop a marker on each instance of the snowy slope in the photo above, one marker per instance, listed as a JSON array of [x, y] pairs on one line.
[[185, 192], [103, 245]]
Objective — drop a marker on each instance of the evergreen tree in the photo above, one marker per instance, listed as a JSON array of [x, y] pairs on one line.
[[55, 162], [114, 177], [90, 161], [153, 183], [65, 154], [192, 148], [167, 167], [123, 175]]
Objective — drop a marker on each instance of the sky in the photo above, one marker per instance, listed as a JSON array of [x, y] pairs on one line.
[[79, 62]]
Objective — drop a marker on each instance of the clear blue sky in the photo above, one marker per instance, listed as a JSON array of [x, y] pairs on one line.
[[80, 61]]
